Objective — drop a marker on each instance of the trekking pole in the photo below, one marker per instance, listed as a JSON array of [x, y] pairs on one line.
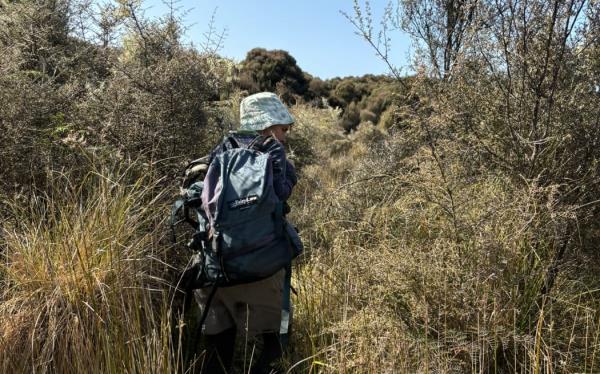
[[211, 295]]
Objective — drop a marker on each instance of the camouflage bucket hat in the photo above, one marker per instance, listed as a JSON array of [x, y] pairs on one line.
[[262, 110]]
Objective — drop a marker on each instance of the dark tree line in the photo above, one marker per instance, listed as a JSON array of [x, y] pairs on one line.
[[361, 99]]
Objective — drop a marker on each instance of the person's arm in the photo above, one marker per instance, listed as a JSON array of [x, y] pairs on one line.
[[284, 174], [290, 176]]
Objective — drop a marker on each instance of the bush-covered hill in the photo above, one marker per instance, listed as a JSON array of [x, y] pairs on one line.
[[361, 99], [450, 218]]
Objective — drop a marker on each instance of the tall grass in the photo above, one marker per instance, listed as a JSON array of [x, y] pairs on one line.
[[81, 276], [400, 277], [407, 269]]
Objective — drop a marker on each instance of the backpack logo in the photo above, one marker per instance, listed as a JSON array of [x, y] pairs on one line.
[[243, 203]]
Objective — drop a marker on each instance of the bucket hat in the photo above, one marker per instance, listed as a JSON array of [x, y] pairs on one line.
[[263, 110]]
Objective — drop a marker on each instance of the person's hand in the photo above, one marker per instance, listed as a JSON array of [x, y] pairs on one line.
[[265, 144]]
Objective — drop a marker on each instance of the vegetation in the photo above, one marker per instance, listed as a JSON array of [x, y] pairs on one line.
[[63, 89], [463, 239], [361, 99], [82, 287], [450, 218], [274, 71]]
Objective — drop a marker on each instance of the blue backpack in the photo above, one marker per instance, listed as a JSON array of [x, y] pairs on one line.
[[240, 233]]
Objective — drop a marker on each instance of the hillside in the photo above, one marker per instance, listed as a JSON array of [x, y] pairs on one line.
[[450, 218]]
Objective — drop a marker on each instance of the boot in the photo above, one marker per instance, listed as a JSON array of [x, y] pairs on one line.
[[271, 352], [219, 352]]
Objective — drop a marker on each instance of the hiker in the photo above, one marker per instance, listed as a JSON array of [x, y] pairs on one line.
[[253, 309]]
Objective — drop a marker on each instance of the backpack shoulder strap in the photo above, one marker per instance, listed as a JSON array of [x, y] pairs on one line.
[[231, 142], [261, 143]]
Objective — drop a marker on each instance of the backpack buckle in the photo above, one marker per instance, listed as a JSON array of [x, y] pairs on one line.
[[215, 243]]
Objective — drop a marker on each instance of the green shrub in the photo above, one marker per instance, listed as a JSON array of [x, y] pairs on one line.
[[276, 70]]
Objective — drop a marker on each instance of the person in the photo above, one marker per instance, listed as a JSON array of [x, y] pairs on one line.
[[252, 309]]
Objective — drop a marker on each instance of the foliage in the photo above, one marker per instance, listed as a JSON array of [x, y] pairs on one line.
[[62, 92], [437, 281], [274, 71], [450, 219], [82, 278], [277, 71], [462, 241]]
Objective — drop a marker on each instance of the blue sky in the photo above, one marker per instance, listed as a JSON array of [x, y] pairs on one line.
[[321, 40]]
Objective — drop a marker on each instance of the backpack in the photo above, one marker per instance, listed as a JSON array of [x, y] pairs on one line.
[[240, 233]]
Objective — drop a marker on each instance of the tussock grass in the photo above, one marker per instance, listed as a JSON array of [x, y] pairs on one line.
[[411, 270], [82, 279], [413, 263]]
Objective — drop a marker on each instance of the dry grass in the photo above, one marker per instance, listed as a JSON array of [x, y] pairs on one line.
[[399, 278], [81, 280], [406, 269]]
